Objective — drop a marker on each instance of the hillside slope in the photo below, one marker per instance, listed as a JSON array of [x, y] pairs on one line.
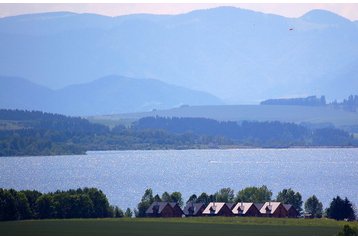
[[111, 94], [218, 50], [325, 116]]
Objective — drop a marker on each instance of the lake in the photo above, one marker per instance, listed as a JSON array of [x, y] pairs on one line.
[[124, 175]]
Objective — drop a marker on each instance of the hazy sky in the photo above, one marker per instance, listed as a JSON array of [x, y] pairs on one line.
[[348, 10]]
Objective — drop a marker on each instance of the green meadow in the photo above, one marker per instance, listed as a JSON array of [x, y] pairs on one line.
[[175, 226]]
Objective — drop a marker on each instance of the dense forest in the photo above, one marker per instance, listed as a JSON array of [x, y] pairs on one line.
[[260, 134], [308, 101], [37, 133], [349, 104], [74, 203]]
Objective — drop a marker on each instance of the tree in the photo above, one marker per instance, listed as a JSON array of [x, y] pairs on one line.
[[254, 194], [22, 206], [82, 205], [166, 197], [314, 207], [128, 213], [8, 209], [118, 212], [204, 198], [157, 198], [32, 196], [192, 198], [177, 197], [340, 209], [224, 195], [46, 207], [288, 196], [100, 202], [146, 201]]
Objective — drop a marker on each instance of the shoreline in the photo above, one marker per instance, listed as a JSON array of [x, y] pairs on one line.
[[186, 149]]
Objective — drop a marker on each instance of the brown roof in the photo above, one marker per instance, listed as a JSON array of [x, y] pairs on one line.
[[258, 205], [287, 206], [194, 207], [230, 205], [159, 206]]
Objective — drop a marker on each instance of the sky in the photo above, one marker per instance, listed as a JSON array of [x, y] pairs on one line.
[[348, 10]]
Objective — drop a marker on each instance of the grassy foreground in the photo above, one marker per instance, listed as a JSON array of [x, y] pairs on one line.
[[174, 226]]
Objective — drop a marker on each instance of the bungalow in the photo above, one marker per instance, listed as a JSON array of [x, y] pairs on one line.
[[273, 209], [217, 209], [164, 209], [194, 209], [291, 211], [247, 209]]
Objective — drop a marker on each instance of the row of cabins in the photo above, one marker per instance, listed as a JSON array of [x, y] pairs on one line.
[[268, 209]]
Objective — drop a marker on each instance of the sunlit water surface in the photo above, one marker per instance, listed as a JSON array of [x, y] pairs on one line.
[[124, 175]]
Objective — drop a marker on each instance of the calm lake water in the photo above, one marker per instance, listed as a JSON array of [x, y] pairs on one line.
[[124, 175]]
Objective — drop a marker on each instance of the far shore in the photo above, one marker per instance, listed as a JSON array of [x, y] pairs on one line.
[[199, 148]]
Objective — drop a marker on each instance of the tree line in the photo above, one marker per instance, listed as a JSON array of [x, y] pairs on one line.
[[79, 203], [37, 133], [93, 203], [251, 133], [348, 104], [338, 209], [307, 101]]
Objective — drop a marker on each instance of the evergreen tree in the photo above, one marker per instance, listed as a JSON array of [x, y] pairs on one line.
[[128, 213], [8, 209], [177, 197], [46, 207], [192, 199], [340, 209], [146, 201], [314, 207], [288, 196], [204, 198], [166, 197], [32, 196], [118, 212]]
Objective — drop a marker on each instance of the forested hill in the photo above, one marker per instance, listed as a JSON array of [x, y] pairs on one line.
[[47, 121], [308, 101], [36, 133], [251, 133]]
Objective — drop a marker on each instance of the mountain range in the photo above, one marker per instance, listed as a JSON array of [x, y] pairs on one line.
[[107, 95], [238, 55]]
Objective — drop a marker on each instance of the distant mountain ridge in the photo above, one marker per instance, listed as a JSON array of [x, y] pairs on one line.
[[107, 95], [238, 55]]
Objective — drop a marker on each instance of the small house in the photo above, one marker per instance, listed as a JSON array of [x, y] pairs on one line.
[[217, 209], [246, 209], [292, 212], [273, 209], [194, 209], [164, 209]]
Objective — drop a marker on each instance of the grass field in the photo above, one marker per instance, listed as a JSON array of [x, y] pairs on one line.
[[284, 113], [174, 226]]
